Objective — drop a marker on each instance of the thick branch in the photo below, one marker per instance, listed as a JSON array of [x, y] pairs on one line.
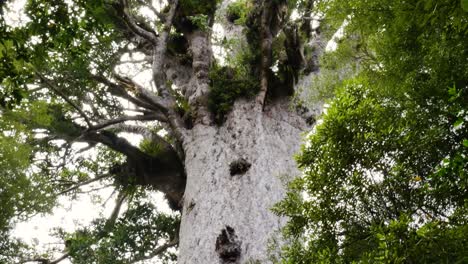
[[118, 90], [155, 116], [159, 54], [115, 213], [265, 46], [140, 31], [114, 142], [164, 170], [159, 76], [198, 89], [144, 94]]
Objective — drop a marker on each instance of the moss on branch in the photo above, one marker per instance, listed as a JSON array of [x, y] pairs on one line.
[[228, 83]]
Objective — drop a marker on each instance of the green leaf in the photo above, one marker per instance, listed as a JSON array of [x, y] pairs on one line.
[[464, 5], [458, 123], [465, 143]]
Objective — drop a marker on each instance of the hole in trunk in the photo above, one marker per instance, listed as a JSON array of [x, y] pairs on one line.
[[228, 246], [239, 166]]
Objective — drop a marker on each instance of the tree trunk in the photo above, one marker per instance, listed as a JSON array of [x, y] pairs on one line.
[[235, 174]]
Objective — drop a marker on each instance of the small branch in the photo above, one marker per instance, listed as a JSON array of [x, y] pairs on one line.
[[45, 261], [63, 257], [150, 36], [157, 251], [83, 184], [59, 93], [115, 213], [108, 225]]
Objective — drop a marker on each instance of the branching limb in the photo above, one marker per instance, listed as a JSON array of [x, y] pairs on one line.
[[159, 76], [63, 257], [143, 93], [81, 184], [140, 130], [165, 104], [132, 24], [112, 141], [119, 91], [159, 54]]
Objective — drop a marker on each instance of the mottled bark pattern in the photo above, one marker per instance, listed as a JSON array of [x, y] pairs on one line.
[[215, 200]]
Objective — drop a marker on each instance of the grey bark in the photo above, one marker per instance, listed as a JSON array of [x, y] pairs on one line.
[[226, 218]]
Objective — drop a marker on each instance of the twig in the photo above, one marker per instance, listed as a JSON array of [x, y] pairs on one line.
[[157, 250], [83, 184]]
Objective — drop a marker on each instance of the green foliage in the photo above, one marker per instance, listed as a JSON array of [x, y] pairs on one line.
[[150, 147], [23, 192], [238, 11], [64, 41], [200, 21], [229, 83], [386, 172], [464, 4], [68, 40], [198, 7], [139, 231]]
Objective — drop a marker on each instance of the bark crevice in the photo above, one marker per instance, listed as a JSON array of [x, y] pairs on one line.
[[228, 246]]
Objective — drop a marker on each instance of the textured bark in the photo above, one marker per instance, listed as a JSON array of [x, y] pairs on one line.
[[226, 214], [198, 87]]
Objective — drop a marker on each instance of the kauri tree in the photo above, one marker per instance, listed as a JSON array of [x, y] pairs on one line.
[[218, 133]]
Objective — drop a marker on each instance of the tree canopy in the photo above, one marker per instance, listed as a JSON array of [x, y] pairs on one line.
[[386, 170]]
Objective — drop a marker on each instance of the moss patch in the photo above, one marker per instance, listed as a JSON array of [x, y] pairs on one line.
[[228, 83]]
